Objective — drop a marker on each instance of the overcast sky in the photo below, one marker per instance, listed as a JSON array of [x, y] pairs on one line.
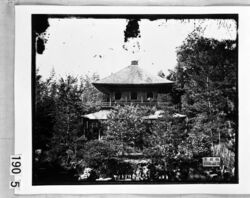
[[84, 46]]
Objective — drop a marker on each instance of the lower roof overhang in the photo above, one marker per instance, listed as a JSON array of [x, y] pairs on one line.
[[104, 114]]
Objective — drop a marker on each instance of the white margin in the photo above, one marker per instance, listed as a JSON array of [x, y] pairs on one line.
[[23, 133]]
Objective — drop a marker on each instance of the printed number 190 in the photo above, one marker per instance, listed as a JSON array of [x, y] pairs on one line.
[[15, 165]]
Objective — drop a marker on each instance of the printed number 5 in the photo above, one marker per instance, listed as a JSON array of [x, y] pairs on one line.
[[15, 184]]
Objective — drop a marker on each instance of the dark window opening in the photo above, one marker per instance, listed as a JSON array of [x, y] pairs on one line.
[[118, 96], [107, 98], [133, 96], [149, 95]]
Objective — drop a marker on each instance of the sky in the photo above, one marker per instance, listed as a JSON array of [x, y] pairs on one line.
[[85, 46]]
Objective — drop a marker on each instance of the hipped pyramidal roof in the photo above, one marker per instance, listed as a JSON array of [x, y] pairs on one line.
[[132, 74]]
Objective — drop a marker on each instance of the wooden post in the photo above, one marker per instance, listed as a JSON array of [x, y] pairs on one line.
[[110, 99], [83, 127], [219, 137], [99, 134], [212, 142]]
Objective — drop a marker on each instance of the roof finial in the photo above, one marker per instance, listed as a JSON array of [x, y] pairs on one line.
[[134, 62]]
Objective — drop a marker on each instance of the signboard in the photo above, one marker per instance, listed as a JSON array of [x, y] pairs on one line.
[[211, 161]]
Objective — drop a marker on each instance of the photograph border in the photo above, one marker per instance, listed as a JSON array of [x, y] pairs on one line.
[[23, 102], [43, 19]]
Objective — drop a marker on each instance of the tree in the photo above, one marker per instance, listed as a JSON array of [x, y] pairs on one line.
[[207, 71], [168, 145], [59, 105], [44, 111], [206, 79], [127, 127], [99, 155], [207, 74], [67, 127], [91, 97]]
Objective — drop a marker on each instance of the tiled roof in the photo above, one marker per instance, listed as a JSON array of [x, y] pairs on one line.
[[132, 74], [103, 115], [99, 115]]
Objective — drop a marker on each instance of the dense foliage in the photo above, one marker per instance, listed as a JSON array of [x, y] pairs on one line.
[[207, 74], [59, 105], [127, 128]]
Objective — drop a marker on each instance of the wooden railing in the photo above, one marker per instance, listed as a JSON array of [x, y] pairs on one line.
[[122, 103]]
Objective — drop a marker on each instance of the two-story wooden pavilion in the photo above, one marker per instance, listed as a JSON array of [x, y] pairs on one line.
[[131, 85]]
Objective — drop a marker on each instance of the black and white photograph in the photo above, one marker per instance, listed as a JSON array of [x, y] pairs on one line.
[[134, 99]]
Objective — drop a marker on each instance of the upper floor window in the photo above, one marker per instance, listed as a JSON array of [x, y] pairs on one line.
[[150, 95], [133, 96], [118, 96]]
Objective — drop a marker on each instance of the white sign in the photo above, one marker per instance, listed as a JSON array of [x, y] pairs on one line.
[[211, 161]]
